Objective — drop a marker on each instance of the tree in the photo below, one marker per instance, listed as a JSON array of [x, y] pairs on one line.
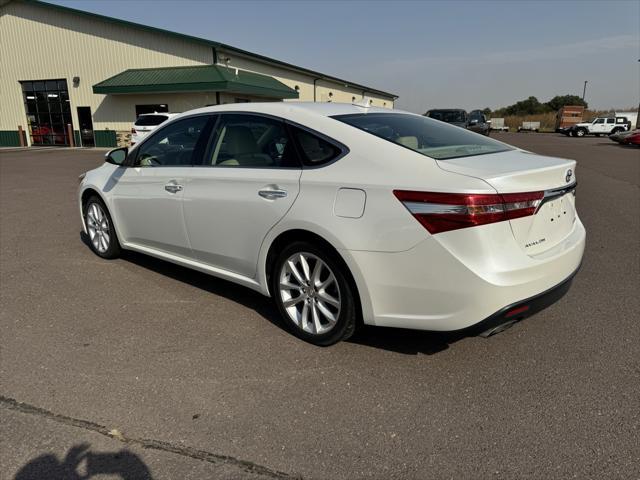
[[486, 111], [530, 106], [559, 101]]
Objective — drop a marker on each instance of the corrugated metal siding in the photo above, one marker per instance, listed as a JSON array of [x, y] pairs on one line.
[[37, 42]]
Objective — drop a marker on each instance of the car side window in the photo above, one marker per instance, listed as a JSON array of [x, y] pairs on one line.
[[313, 149], [252, 141], [611, 120], [599, 120], [173, 145]]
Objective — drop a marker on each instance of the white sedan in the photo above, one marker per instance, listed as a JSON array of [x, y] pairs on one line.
[[343, 213]]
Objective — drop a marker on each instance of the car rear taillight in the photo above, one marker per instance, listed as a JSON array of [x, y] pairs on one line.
[[441, 212]]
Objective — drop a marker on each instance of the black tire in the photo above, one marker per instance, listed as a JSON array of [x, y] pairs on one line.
[[615, 130], [113, 250], [345, 324]]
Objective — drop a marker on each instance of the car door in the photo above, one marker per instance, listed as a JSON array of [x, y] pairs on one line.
[[598, 126], [611, 122], [147, 197], [248, 180]]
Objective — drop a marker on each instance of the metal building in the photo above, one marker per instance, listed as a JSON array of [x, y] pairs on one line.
[[70, 77]]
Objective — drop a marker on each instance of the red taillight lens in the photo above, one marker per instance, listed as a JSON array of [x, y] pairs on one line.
[[441, 212]]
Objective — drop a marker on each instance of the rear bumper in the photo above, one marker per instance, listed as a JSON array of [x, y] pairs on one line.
[[454, 283], [520, 310]]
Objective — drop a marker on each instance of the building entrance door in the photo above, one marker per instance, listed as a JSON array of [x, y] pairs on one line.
[[48, 111], [86, 127]]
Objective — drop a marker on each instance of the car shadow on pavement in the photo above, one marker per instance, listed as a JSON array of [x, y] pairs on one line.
[[81, 463], [410, 342]]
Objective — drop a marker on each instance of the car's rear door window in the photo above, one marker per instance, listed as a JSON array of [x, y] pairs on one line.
[[251, 141]]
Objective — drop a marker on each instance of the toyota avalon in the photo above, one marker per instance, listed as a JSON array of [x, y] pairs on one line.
[[345, 214]]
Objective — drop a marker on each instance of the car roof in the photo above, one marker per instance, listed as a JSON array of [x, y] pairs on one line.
[[326, 109], [158, 113]]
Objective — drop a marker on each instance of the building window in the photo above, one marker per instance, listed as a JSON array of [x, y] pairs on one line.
[[48, 111], [152, 108]]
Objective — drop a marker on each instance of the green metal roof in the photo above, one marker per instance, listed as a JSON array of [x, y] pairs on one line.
[[200, 78], [214, 45]]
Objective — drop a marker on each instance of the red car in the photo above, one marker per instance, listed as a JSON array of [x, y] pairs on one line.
[[633, 139]]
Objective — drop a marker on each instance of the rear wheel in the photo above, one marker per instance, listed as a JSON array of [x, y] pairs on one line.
[[615, 130], [102, 234], [314, 294]]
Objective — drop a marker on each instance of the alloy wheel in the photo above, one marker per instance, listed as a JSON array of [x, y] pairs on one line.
[[98, 228], [310, 293]]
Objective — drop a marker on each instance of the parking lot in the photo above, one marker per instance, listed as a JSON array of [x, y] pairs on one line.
[[174, 374]]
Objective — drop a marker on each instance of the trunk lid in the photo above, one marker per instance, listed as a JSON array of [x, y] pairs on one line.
[[518, 172]]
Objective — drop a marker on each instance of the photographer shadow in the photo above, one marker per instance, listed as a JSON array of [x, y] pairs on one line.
[[80, 463]]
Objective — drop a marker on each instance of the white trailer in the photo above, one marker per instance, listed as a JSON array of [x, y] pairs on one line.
[[498, 124], [529, 127]]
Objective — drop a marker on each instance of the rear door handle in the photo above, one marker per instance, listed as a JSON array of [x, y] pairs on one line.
[[272, 193], [172, 187]]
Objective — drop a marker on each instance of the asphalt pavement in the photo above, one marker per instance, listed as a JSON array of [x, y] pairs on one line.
[[136, 365]]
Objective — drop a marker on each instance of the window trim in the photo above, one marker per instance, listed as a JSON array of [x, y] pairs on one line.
[[213, 136]]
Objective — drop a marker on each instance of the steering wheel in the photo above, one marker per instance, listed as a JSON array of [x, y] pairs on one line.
[[149, 161]]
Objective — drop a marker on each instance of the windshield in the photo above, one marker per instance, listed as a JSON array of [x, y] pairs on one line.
[[423, 135], [449, 116]]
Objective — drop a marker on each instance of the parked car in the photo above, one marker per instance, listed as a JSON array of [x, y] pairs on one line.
[[454, 116], [568, 116], [343, 213], [599, 126], [529, 127], [620, 135], [475, 121], [632, 139], [498, 124], [632, 119], [478, 122], [146, 123]]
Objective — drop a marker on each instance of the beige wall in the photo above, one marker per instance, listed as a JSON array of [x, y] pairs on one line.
[[305, 82], [38, 43]]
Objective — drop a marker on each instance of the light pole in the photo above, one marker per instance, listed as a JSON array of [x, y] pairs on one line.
[[584, 89]]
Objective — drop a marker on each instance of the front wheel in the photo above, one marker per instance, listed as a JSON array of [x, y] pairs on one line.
[[581, 132], [102, 234], [314, 294]]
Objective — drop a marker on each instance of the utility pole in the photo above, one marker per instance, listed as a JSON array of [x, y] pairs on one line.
[[584, 89]]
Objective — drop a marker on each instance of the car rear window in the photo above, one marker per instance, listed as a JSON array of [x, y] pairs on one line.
[[150, 120], [426, 136]]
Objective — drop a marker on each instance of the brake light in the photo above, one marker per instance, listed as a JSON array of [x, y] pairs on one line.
[[442, 212]]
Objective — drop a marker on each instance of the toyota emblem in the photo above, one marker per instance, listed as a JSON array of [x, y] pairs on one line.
[[568, 176]]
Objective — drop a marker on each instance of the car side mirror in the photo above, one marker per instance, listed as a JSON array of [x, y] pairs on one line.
[[117, 156]]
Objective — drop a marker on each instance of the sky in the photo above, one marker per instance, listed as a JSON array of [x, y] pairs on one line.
[[433, 54]]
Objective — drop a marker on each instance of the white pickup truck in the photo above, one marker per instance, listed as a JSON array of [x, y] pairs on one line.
[[599, 126]]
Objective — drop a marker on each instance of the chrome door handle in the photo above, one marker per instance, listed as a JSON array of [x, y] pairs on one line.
[[272, 194], [173, 187]]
